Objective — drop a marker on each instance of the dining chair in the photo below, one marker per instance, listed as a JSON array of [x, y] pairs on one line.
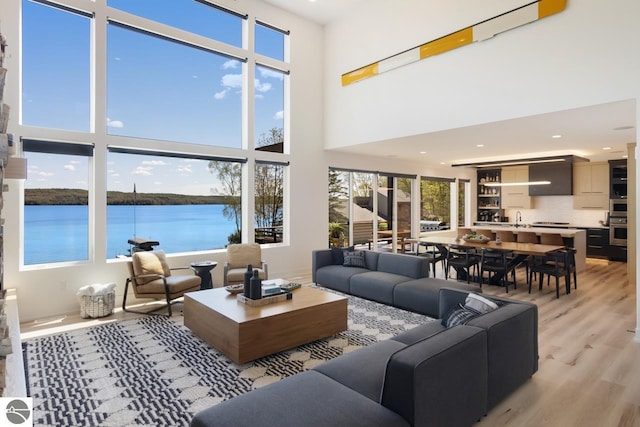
[[555, 265], [462, 258], [434, 255], [496, 262], [527, 237]]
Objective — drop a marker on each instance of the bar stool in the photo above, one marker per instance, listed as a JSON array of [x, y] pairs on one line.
[[505, 235], [485, 232], [552, 239]]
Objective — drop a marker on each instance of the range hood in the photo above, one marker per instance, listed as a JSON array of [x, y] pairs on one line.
[[560, 173]]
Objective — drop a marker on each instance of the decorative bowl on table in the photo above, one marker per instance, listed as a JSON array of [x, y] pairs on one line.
[[235, 289], [475, 238]]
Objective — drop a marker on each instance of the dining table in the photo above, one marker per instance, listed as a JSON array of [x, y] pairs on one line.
[[520, 250]]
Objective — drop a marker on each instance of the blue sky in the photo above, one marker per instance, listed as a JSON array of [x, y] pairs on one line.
[[156, 89]]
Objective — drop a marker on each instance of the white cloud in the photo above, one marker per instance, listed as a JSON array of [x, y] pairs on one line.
[[142, 171], [221, 94], [154, 162], [279, 115], [262, 87], [114, 123], [45, 174], [232, 81], [185, 169], [232, 63], [270, 74], [69, 168]]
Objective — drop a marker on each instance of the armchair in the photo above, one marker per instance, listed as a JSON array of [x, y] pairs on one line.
[[238, 257], [150, 277]]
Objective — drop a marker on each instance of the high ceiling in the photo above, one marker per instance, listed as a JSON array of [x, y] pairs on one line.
[[599, 132]]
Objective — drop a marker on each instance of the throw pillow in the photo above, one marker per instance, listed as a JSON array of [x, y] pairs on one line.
[[337, 255], [458, 316], [354, 259], [479, 303]]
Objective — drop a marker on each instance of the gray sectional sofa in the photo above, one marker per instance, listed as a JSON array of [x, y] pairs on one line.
[[393, 279], [431, 375]]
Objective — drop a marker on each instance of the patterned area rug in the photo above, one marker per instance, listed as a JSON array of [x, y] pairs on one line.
[[155, 371]]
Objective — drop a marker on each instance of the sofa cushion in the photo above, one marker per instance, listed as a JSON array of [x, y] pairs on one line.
[[376, 285], [421, 295], [440, 381], [308, 399], [405, 265], [419, 333], [354, 259], [362, 370], [337, 277]]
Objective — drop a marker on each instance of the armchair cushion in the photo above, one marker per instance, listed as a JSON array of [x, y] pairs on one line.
[[149, 263], [240, 255]]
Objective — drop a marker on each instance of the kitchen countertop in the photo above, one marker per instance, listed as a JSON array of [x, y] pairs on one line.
[[536, 226]]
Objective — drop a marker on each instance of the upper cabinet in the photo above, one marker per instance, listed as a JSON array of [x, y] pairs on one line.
[[489, 195], [591, 185], [618, 179], [515, 196]]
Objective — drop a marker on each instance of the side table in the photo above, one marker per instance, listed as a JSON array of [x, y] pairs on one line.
[[203, 270]]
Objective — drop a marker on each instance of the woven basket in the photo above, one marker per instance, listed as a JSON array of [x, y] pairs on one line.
[[92, 306]]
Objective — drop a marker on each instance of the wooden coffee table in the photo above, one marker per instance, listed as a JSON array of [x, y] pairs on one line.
[[244, 333]]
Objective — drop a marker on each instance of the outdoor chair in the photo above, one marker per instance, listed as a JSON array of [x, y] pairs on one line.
[[239, 255], [150, 277]]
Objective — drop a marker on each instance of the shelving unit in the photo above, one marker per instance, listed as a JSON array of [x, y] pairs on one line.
[[618, 179], [488, 197]]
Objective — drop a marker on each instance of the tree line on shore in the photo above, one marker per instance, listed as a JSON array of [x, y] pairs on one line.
[[69, 196]]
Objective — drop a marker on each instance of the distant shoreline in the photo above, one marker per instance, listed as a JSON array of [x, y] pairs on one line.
[[66, 196]]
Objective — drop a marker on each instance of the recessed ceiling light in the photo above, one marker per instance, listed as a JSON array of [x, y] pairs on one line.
[[625, 156], [606, 148], [442, 163], [480, 145], [556, 136], [423, 152], [623, 128]]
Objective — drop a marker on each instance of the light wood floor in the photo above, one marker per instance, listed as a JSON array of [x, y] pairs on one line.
[[589, 370]]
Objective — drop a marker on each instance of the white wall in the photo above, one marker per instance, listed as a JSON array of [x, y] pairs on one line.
[[585, 55]]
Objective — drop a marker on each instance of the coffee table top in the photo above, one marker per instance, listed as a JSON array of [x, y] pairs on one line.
[[226, 304]]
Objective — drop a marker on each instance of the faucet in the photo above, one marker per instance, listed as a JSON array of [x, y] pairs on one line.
[[518, 218]]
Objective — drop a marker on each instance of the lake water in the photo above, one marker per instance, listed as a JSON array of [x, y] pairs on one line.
[[59, 233]]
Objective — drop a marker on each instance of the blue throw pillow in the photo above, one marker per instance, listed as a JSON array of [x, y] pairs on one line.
[[337, 255], [354, 259]]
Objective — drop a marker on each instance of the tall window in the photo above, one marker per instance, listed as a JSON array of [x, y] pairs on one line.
[[55, 96], [338, 208], [56, 202], [204, 19], [269, 202], [270, 41], [195, 97], [435, 202], [269, 109], [186, 204]]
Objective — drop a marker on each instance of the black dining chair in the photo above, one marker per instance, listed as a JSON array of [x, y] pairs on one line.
[[434, 255], [497, 262], [462, 258], [553, 264]]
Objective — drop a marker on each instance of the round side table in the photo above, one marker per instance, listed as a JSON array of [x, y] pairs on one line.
[[203, 270]]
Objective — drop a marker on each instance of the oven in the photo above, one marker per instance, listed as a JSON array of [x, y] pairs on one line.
[[618, 207], [618, 231]]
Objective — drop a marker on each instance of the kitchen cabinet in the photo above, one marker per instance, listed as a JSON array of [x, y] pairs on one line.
[[489, 196], [618, 179], [597, 242], [591, 185], [515, 196]]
